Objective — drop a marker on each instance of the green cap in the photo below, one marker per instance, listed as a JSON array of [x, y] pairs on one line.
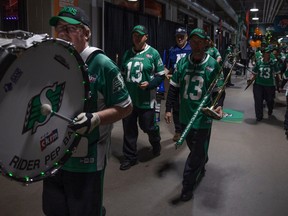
[[199, 32], [71, 15], [140, 29]]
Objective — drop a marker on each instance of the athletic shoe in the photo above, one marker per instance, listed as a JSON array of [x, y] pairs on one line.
[[127, 164], [259, 119], [186, 195], [156, 150]]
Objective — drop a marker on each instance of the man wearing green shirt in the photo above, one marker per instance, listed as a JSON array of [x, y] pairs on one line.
[[143, 71], [192, 78]]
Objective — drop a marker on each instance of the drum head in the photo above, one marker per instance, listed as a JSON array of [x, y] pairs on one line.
[[33, 145]]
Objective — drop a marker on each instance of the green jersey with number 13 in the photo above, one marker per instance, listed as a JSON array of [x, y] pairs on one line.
[[140, 67], [194, 80]]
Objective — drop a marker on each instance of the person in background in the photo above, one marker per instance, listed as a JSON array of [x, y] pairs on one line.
[[77, 188], [181, 49], [264, 73], [143, 71], [227, 65], [193, 76], [214, 53], [282, 86]]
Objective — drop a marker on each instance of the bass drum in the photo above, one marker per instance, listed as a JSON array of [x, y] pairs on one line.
[[33, 145]]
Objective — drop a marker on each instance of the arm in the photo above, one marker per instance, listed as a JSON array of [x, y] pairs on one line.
[[113, 114]]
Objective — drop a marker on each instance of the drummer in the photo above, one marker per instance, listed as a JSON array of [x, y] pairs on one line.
[[78, 186]]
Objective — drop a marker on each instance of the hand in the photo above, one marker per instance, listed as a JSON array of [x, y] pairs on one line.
[[168, 75], [219, 111], [144, 85], [84, 123], [168, 117]]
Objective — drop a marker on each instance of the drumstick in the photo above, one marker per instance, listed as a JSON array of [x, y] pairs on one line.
[[46, 109]]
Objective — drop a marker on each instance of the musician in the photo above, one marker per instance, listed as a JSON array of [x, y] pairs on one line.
[[227, 65], [264, 86], [192, 78], [77, 188]]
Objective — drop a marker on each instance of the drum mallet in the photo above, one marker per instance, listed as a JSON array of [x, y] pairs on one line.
[[46, 109]]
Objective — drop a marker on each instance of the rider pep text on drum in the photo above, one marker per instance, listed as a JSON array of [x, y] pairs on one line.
[[34, 145]]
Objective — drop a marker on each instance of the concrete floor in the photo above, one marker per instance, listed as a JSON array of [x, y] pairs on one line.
[[247, 172]]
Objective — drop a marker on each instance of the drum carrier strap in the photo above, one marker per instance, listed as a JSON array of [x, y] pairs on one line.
[[89, 52]]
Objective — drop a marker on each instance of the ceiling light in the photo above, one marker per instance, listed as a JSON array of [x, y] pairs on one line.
[[255, 18], [132, 0], [254, 9]]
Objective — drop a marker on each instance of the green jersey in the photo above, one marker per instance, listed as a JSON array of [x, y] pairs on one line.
[[194, 80], [107, 89], [140, 67], [213, 52], [265, 72]]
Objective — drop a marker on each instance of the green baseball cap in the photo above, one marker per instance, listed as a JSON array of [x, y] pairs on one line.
[[140, 29], [199, 32], [71, 15]]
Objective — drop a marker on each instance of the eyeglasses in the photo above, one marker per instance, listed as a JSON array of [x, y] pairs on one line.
[[68, 28]]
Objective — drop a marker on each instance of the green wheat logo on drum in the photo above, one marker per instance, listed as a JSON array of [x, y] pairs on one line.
[[51, 95]]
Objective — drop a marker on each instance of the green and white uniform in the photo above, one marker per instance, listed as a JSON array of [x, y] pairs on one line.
[[107, 90], [194, 81], [266, 72], [140, 67], [264, 86]]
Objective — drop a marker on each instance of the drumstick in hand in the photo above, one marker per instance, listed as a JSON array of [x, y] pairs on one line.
[[46, 109]]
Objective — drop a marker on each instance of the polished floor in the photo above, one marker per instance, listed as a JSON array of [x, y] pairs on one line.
[[247, 172]]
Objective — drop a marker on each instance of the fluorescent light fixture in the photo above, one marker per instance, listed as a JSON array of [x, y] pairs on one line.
[[254, 9], [255, 18], [132, 0]]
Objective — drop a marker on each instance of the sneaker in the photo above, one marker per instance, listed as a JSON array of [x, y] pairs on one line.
[[259, 119], [229, 84], [270, 112], [103, 211], [176, 137], [186, 195], [127, 164], [157, 150]]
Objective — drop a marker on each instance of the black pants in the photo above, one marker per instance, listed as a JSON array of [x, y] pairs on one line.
[[226, 71], [175, 110], [260, 94], [130, 127], [73, 194], [221, 99], [198, 143]]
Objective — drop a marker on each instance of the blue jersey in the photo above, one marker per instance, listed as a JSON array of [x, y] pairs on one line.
[[176, 53]]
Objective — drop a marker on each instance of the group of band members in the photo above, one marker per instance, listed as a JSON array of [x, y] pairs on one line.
[[269, 74], [129, 93]]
